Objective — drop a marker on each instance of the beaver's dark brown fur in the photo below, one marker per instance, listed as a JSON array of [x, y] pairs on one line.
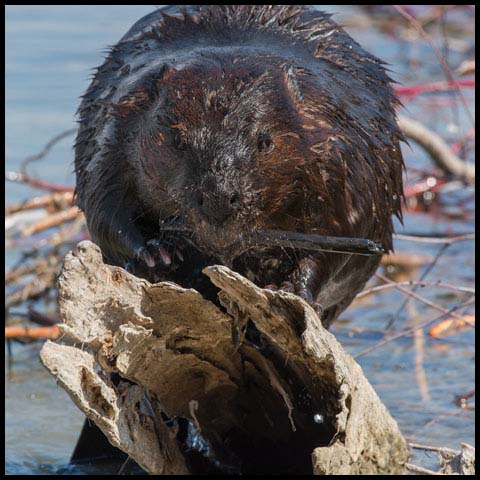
[[226, 120]]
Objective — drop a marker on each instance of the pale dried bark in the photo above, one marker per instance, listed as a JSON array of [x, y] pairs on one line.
[[263, 383]]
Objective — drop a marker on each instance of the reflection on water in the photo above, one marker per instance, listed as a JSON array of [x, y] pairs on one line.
[[50, 51]]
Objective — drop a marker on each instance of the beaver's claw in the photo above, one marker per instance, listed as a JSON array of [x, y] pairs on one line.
[[150, 261]]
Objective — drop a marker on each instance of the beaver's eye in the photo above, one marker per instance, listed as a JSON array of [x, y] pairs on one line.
[[265, 143]]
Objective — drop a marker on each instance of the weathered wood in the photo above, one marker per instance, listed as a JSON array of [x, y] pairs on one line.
[[265, 388], [452, 462]]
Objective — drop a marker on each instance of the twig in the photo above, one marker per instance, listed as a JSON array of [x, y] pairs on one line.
[[430, 448], [421, 239], [56, 198], [467, 395], [45, 150], [305, 241], [439, 284], [39, 286], [65, 233], [438, 150], [413, 90], [124, 465], [25, 269], [461, 400], [52, 221], [410, 330], [417, 297], [423, 276], [448, 73], [33, 182], [358, 246], [52, 332], [425, 471]]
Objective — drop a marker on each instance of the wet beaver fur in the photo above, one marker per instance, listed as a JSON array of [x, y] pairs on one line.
[[206, 124]]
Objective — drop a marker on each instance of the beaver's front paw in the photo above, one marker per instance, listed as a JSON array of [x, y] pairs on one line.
[[152, 261]]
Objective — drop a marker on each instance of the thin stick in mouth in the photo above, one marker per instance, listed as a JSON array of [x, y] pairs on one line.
[[312, 242], [323, 243]]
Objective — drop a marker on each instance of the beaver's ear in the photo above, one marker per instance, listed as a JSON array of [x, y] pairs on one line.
[[310, 101], [131, 103], [140, 98]]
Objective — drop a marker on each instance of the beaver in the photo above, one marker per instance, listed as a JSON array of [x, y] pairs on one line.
[[208, 124], [224, 120]]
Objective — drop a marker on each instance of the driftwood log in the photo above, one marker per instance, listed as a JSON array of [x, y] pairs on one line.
[[261, 385]]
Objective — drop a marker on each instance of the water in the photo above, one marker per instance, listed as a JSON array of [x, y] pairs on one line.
[[50, 51]]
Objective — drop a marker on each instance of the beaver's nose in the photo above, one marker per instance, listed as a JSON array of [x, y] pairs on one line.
[[218, 205]]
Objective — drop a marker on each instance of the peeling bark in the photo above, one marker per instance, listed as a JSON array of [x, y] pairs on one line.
[[264, 387]]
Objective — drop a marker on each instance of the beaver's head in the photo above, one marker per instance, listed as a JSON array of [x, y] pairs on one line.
[[233, 145]]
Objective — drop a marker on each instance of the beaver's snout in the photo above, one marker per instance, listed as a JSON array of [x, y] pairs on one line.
[[217, 219], [217, 204]]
